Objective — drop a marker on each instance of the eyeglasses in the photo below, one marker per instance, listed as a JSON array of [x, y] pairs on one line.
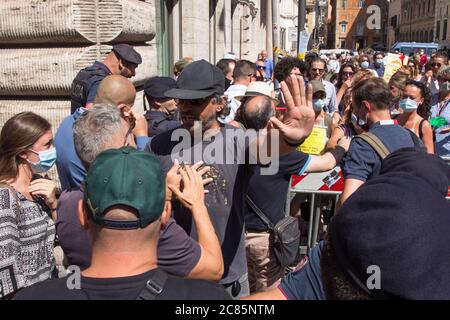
[[317, 70], [295, 74], [347, 74]]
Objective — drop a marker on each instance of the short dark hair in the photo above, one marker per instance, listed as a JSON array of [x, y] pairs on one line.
[[243, 69], [224, 65], [317, 59], [374, 90], [442, 55], [284, 67], [258, 117]]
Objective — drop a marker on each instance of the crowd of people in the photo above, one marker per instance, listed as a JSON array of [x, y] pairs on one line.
[[145, 214]]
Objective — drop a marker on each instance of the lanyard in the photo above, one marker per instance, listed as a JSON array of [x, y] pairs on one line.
[[442, 108]]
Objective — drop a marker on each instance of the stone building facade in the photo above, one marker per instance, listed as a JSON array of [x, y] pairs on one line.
[[207, 29], [351, 26], [45, 43], [417, 20], [442, 29], [394, 20]]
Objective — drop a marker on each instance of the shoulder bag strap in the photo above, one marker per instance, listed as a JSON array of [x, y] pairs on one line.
[[375, 143], [154, 286], [259, 213]]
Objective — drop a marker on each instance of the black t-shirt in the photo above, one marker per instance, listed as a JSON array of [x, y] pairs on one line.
[[126, 288], [226, 198], [268, 192]]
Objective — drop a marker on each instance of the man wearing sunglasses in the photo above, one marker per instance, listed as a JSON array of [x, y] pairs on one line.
[[199, 89], [317, 71], [439, 60]]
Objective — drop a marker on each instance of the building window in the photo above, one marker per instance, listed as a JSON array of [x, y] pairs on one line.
[[344, 4], [360, 29], [444, 32], [438, 30], [343, 28], [361, 4], [343, 44]]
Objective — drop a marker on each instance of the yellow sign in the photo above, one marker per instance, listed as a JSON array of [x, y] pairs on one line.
[[316, 141], [393, 63]]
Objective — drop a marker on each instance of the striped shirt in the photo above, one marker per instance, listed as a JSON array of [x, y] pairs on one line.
[[27, 234]]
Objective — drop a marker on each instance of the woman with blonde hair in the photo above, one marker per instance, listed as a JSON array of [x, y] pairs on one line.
[[27, 202]]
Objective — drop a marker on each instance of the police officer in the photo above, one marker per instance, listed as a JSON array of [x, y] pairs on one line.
[[122, 60], [163, 113]]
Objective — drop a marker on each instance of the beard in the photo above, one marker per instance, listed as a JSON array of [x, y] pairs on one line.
[[206, 123]]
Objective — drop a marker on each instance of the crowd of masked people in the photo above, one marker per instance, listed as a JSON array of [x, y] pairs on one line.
[[135, 221]]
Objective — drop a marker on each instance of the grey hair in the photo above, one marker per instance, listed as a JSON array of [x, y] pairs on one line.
[[444, 73], [94, 131]]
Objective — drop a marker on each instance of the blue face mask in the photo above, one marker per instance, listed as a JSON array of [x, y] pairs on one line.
[[318, 104], [380, 61], [47, 159], [365, 65], [408, 105]]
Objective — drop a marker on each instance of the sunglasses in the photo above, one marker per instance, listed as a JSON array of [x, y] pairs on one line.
[[261, 67], [317, 70], [130, 119], [348, 74], [196, 102], [436, 65]]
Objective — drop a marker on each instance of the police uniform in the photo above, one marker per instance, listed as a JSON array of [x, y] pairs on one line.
[[85, 84], [159, 121]]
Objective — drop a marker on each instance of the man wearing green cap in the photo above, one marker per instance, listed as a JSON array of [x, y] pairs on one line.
[[124, 209]]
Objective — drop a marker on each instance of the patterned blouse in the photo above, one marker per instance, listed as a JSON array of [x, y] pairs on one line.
[[27, 234]]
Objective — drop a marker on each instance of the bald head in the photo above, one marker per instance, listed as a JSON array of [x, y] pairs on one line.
[[257, 112], [116, 90]]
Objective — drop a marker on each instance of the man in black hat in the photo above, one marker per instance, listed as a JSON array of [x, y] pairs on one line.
[[199, 91], [163, 113], [380, 247], [122, 60]]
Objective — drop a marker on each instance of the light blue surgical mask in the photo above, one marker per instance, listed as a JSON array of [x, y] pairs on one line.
[[365, 65], [47, 159], [408, 105], [445, 86], [380, 61], [318, 104]]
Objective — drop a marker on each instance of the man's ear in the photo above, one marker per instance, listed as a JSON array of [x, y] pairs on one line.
[[166, 214], [367, 105], [82, 215]]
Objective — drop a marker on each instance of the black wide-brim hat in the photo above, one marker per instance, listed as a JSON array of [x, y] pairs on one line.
[[198, 80]]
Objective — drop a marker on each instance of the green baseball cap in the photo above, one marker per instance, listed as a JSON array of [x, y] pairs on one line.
[[126, 177]]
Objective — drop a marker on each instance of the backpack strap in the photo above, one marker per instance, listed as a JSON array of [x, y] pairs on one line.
[[375, 143], [154, 286]]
